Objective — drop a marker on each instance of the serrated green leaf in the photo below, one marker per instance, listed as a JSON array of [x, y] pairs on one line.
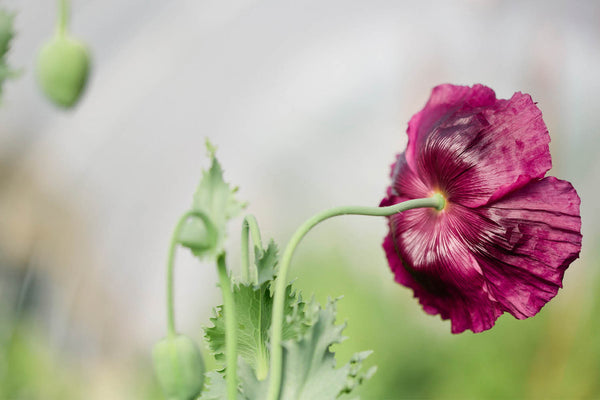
[[309, 365], [215, 335], [309, 371], [254, 308], [253, 327], [217, 200], [266, 262], [251, 388], [356, 376], [298, 315], [215, 387], [308, 333]]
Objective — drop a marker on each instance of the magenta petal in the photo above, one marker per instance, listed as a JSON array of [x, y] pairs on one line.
[[427, 252], [478, 149], [472, 310], [406, 183], [470, 265], [443, 102], [505, 236], [537, 237]]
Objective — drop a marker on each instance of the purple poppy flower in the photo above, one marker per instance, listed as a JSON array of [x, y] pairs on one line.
[[507, 233]]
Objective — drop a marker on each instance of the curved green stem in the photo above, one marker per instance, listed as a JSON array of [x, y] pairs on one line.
[[64, 8], [250, 228], [171, 263], [436, 201], [230, 328]]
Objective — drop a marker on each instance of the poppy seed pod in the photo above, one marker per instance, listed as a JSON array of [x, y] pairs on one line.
[[62, 69], [179, 367]]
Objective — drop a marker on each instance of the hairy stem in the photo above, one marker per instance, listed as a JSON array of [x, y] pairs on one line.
[[230, 328], [436, 201], [250, 229]]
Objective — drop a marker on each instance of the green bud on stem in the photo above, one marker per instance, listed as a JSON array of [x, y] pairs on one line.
[[198, 236], [179, 367], [62, 69]]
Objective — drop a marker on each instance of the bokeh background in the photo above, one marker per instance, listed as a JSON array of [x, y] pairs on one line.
[[308, 102]]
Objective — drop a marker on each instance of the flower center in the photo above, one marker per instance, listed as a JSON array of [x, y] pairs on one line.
[[440, 199]]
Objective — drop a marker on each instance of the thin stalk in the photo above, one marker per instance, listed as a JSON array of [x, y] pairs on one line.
[[436, 201], [64, 8], [171, 264], [250, 229], [230, 328]]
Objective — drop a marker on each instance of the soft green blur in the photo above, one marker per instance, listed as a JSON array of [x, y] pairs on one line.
[[31, 368]]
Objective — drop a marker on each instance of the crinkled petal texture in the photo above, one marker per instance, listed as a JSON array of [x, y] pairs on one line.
[[506, 235]]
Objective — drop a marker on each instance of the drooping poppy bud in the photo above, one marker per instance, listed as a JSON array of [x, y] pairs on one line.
[[62, 69], [179, 367], [198, 236]]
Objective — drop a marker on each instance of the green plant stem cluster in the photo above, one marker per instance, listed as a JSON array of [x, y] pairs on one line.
[[436, 201], [250, 276]]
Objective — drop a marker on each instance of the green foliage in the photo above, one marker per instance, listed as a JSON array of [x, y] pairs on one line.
[[30, 368], [216, 387], [309, 369], [266, 262], [215, 198], [309, 365], [253, 308]]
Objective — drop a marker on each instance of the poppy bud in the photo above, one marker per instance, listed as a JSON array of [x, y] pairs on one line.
[[62, 69], [200, 236], [179, 367], [196, 237]]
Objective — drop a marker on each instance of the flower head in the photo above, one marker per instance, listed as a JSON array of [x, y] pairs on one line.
[[507, 233]]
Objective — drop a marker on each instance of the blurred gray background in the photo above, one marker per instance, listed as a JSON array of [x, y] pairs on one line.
[[307, 102]]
